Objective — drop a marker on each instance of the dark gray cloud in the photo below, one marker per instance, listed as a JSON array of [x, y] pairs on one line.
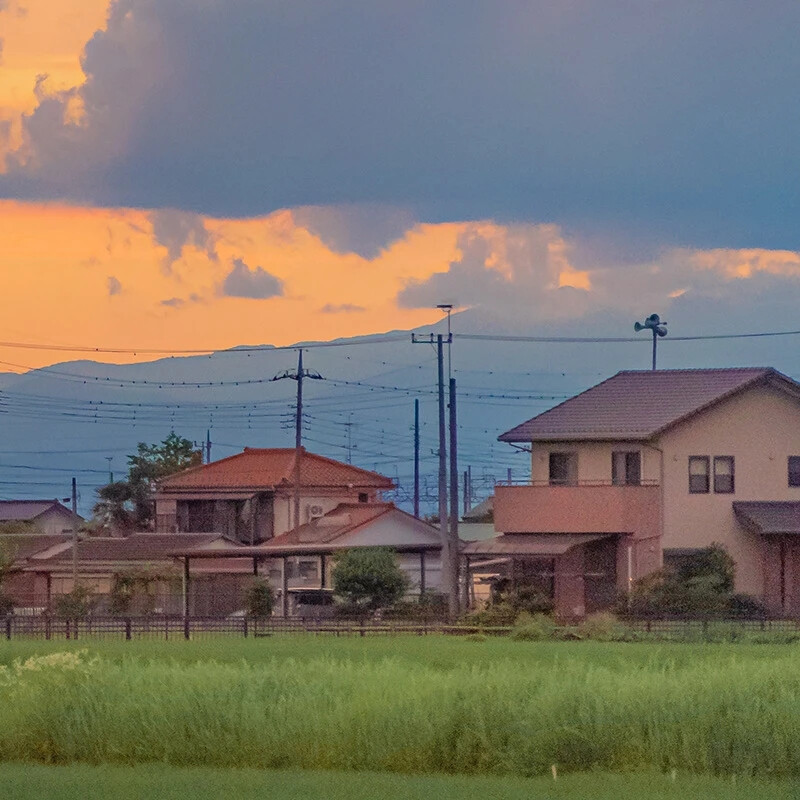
[[677, 118], [344, 308], [114, 286], [365, 230], [256, 283], [173, 302], [175, 230]]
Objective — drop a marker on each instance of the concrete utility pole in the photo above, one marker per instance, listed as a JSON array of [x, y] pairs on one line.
[[298, 376], [416, 458], [454, 548], [110, 473], [74, 533], [208, 446]]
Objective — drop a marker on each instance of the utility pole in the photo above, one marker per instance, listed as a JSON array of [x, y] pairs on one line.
[[74, 533], [349, 426], [454, 548], [416, 458], [448, 556], [298, 376], [208, 446], [110, 473]]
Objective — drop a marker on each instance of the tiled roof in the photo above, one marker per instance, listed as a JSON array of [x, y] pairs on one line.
[[530, 544], [136, 547], [343, 519], [24, 510], [266, 468], [24, 545], [641, 404], [769, 517]]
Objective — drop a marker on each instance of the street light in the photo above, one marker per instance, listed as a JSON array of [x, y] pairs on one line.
[[659, 328]]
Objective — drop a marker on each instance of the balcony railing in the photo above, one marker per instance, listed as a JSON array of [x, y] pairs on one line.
[[585, 507], [572, 484]]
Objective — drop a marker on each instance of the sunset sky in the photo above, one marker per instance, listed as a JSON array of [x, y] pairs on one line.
[[182, 174]]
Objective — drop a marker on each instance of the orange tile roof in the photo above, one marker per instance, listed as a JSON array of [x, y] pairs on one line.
[[266, 468]]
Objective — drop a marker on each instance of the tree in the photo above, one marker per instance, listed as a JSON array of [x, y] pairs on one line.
[[129, 503], [114, 508], [258, 599], [368, 578]]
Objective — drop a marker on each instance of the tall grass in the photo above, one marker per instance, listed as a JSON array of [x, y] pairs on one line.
[[395, 716]]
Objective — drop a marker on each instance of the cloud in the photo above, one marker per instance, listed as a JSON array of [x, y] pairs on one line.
[[257, 283], [173, 302], [362, 229], [455, 111], [176, 230], [344, 308], [114, 286]]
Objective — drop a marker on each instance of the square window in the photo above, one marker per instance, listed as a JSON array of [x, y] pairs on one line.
[[723, 474], [626, 468], [794, 470], [699, 469], [564, 469]]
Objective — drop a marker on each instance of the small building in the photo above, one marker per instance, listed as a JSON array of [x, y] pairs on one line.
[[46, 516], [647, 465], [300, 560], [146, 557], [27, 590], [250, 497]]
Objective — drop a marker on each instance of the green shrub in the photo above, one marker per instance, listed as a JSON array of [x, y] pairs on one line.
[[533, 627], [603, 627], [368, 578], [493, 615], [76, 604], [259, 599]]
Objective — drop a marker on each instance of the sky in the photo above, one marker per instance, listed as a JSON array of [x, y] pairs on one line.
[[184, 174]]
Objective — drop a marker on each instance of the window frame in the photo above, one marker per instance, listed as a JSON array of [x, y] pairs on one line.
[[789, 470], [629, 454], [732, 476], [571, 465], [707, 461]]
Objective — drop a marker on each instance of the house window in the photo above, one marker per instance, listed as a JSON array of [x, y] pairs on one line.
[[626, 468], [563, 469], [794, 470], [723, 474], [699, 469], [363, 497]]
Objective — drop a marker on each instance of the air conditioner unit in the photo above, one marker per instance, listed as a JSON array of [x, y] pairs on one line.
[[315, 512]]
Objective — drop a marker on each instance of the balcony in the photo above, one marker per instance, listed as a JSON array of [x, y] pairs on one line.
[[591, 507]]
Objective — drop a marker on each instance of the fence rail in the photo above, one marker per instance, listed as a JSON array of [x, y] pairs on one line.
[[179, 627]]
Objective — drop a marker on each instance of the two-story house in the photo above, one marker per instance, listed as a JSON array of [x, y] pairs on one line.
[[250, 497], [647, 466]]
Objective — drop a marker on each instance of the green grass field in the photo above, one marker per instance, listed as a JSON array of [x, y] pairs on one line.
[[24, 782], [436, 711]]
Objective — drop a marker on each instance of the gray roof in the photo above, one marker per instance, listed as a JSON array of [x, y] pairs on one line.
[[137, 546], [481, 512], [25, 510], [769, 517], [637, 405], [530, 544]]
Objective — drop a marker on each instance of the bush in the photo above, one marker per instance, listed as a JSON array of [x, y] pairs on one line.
[[492, 616], [533, 628], [259, 599], [603, 627], [368, 578], [76, 604]]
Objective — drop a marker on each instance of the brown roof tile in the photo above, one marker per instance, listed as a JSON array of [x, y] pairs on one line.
[[641, 404], [266, 468], [343, 519], [24, 545], [136, 547]]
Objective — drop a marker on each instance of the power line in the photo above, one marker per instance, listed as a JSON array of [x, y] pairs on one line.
[[490, 337]]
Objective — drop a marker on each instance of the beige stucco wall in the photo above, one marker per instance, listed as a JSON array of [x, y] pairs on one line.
[[760, 429], [594, 459], [284, 505]]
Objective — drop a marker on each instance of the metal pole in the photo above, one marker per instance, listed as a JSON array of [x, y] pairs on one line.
[[74, 533], [454, 549], [208, 446], [298, 439], [655, 339], [443, 526], [416, 458]]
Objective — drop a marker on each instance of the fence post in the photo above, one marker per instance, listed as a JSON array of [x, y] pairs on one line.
[[127, 629], [245, 626], [66, 627], [186, 628], [76, 629], [48, 627], [8, 626]]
